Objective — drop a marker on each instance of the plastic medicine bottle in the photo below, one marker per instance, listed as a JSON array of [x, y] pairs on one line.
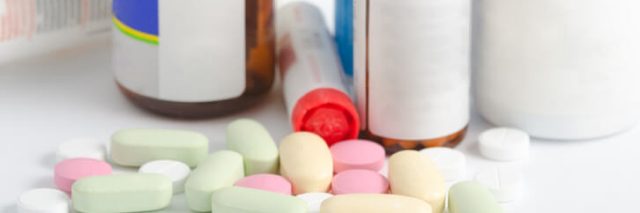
[[412, 71], [194, 59], [560, 69]]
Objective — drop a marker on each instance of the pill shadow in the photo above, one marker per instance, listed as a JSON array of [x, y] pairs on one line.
[[43, 182], [10, 209], [49, 160]]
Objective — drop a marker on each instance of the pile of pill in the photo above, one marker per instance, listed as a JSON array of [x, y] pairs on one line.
[[302, 174]]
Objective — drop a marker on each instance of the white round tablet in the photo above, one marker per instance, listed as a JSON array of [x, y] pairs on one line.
[[506, 183], [451, 163], [314, 200], [177, 171], [43, 201], [81, 148], [504, 144]]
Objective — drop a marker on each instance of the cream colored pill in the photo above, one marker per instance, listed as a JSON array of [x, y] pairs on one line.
[[255, 144], [174, 170], [134, 147], [219, 170], [415, 175], [374, 203], [306, 161]]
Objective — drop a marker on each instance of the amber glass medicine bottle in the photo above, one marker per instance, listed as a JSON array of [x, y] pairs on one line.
[[194, 59], [412, 71]]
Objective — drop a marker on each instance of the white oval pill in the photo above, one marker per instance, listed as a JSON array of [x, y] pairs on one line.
[[177, 171], [43, 201], [81, 148], [504, 144], [506, 183], [314, 200], [451, 163]]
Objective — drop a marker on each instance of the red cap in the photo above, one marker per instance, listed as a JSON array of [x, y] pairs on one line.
[[327, 112]]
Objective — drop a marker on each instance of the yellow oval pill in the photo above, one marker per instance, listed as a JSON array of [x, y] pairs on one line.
[[415, 175], [306, 161]]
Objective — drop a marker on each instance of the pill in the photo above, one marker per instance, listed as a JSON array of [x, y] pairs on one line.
[[359, 181], [415, 175], [504, 144], [221, 169], [306, 161], [506, 183], [69, 171], [122, 193], [451, 163], [43, 201], [314, 200], [472, 197], [267, 182], [134, 147], [374, 203], [176, 171], [357, 154], [255, 144], [81, 148], [240, 199]]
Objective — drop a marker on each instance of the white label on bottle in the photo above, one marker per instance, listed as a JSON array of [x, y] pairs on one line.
[[418, 74], [202, 50], [308, 56]]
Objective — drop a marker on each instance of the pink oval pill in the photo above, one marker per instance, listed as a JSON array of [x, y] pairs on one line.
[[267, 182], [68, 171], [359, 181], [357, 154]]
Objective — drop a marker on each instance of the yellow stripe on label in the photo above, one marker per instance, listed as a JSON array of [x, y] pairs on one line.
[[133, 33]]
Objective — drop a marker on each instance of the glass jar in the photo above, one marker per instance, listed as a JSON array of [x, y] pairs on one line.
[[560, 69], [194, 59], [412, 71]]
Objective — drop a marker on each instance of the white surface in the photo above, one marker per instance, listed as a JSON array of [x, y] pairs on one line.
[[81, 148], [45, 101], [174, 170], [452, 163], [43, 201], [506, 183], [504, 144]]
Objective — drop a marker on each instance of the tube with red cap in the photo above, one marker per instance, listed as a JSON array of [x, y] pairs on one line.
[[314, 86]]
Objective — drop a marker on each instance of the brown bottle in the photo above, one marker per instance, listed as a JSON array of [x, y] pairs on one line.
[[197, 59]]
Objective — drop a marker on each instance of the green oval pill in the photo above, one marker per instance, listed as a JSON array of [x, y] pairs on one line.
[[472, 197], [135, 147], [219, 170], [122, 193], [246, 200], [255, 144]]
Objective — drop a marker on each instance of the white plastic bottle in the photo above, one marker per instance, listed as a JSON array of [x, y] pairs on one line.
[[29, 27], [560, 69], [411, 70]]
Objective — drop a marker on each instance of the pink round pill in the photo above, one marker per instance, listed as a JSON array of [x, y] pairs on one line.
[[267, 182], [359, 181], [68, 171], [357, 154]]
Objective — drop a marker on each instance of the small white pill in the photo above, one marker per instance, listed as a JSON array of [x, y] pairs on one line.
[[43, 201], [314, 200], [451, 163], [506, 183], [177, 171], [81, 148], [504, 144]]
